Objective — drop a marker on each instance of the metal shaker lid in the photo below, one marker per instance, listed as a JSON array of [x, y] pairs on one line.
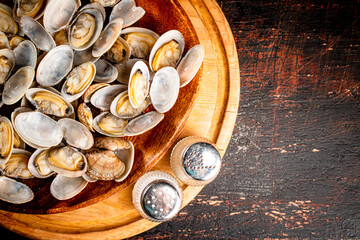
[[157, 196]]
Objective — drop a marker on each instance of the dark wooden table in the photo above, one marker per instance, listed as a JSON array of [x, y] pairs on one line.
[[292, 168]]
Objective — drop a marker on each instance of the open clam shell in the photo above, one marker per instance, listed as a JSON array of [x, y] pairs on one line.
[[159, 59], [190, 64], [4, 41], [83, 56], [85, 28], [78, 81], [6, 139], [164, 89], [33, 9], [16, 86], [38, 166], [143, 123], [17, 165], [11, 27], [15, 41], [124, 70], [25, 54], [76, 134], [58, 14], [122, 108], [55, 66], [14, 192], [7, 63], [119, 51], [103, 97], [109, 125], [140, 41], [139, 83], [67, 161], [105, 72], [38, 35], [49, 102], [107, 37], [127, 156], [38, 130], [128, 11], [85, 116], [91, 90], [63, 187]]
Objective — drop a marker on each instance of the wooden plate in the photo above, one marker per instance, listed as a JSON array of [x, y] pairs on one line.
[[160, 17]]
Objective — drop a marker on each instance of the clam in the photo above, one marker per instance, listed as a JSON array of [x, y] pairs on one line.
[[38, 35], [49, 102], [167, 50], [91, 90], [85, 28], [61, 37], [106, 3], [16, 86], [76, 134], [138, 84], [105, 72], [38, 130], [104, 165], [122, 108], [190, 64], [7, 22], [15, 41], [17, 165], [55, 66], [140, 41], [103, 97], [14, 192], [4, 41], [7, 63], [127, 155], [85, 116], [38, 166], [128, 11], [66, 161], [63, 187], [124, 70], [18, 142], [165, 89], [111, 143], [33, 8], [78, 81], [6, 139], [109, 125], [96, 6], [58, 14], [25, 55], [83, 56], [119, 51], [143, 123], [107, 37]]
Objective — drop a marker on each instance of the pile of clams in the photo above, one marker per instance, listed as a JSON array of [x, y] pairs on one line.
[[79, 81]]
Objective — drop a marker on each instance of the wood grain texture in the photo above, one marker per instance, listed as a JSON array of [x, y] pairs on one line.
[[213, 116]]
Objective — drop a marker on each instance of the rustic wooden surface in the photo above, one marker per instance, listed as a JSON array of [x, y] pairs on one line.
[[292, 167]]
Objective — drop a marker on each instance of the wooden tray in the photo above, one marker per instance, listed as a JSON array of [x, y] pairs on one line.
[[213, 116]]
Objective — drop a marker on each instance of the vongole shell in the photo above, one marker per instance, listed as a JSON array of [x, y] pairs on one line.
[[63, 188], [4, 41], [25, 55], [6, 139], [109, 125], [14, 192], [107, 37], [139, 83], [15, 41], [106, 3], [17, 165], [7, 22], [76, 134], [38, 130], [34, 9], [58, 14], [140, 41], [16, 86], [38, 35], [103, 97], [85, 28], [124, 70], [111, 143], [91, 90], [55, 66], [7, 63], [66, 161], [105, 72], [128, 11], [37, 164], [49, 102], [190, 64], [78, 81], [83, 56], [85, 116], [164, 89], [122, 108], [167, 50], [143, 123], [119, 51], [18, 142]]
